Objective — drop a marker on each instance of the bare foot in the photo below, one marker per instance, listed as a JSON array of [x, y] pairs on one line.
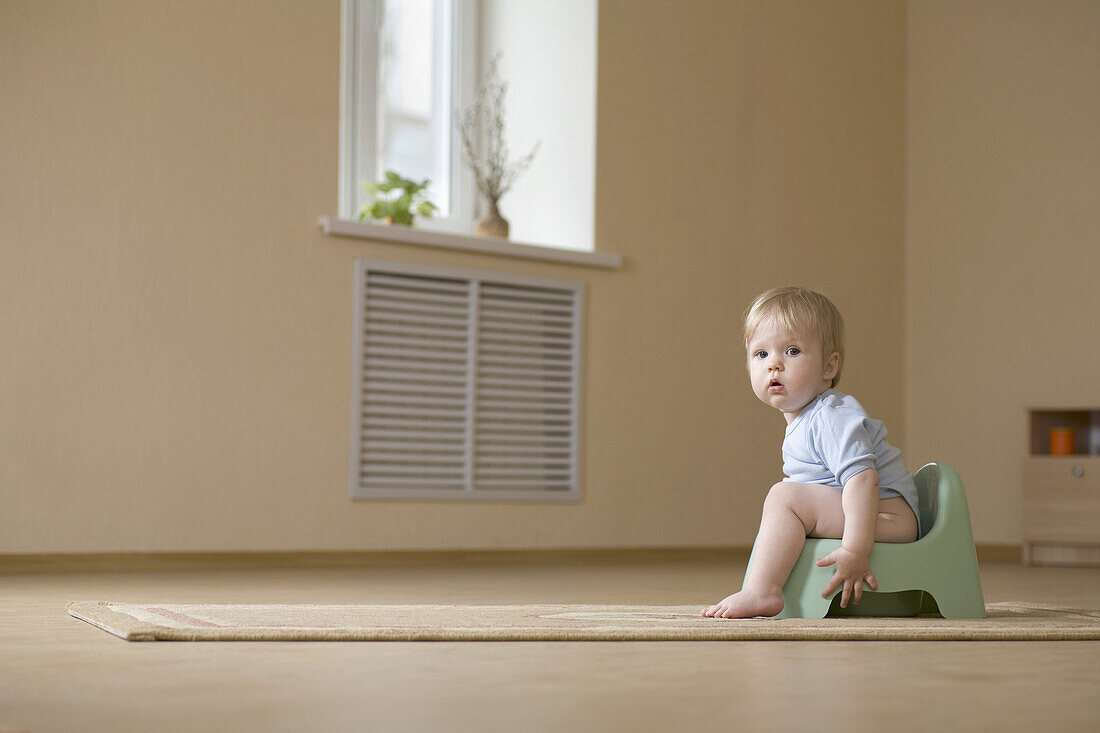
[[746, 604]]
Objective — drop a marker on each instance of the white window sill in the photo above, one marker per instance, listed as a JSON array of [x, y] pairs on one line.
[[483, 245]]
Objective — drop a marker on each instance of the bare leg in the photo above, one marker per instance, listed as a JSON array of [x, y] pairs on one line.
[[778, 544]]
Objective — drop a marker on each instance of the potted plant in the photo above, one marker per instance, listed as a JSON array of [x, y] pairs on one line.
[[396, 200]]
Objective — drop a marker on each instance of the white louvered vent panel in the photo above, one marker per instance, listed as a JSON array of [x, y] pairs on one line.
[[467, 384], [525, 388], [415, 344]]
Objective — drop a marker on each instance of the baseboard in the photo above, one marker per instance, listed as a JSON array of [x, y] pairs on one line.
[[158, 562], [155, 562], [1000, 553], [1063, 555]]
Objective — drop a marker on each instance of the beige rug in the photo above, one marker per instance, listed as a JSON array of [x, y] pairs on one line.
[[235, 622]]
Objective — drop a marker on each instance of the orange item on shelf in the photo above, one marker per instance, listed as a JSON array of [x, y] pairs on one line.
[[1062, 441]]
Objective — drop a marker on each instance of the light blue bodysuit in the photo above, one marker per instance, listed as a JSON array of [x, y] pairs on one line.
[[833, 439]]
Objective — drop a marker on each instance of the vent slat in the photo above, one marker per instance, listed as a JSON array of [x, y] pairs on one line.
[[378, 402], [534, 461], [380, 461], [394, 310], [488, 440], [520, 337], [519, 393], [437, 343], [503, 431], [378, 386], [535, 405], [416, 319], [512, 361], [410, 414], [498, 483], [534, 311], [382, 430], [400, 447], [412, 368], [511, 449], [427, 330], [521, 479], [414, 355], [544, 351], [550, 324], [383, 293], [399, 470], [523, 301], [394, 377], [530, 430], [532, 412], [418, 282], [526, 373], [426, 482], [493, 290], [555, 386]]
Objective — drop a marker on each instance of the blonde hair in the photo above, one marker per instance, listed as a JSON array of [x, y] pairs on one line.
[[801, 311]]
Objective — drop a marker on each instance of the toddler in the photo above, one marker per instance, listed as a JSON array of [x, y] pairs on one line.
[[844, 480]]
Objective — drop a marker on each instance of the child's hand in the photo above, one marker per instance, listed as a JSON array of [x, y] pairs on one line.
[[852, 568]]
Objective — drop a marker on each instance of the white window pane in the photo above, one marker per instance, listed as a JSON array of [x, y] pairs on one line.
[[407, 56], [414, 99]]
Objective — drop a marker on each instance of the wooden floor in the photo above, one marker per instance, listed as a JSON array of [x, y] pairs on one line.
[[60, 674]]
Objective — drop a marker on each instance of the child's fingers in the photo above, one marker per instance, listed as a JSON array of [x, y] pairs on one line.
[[870, 579], [827, 560]]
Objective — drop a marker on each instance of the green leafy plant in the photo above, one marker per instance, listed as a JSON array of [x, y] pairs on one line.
[[396, 200]]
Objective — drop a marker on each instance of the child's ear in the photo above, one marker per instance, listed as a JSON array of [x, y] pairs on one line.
[[832, 365]]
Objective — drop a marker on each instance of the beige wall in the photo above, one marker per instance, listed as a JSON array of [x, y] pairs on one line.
[[175, 330], [1002, 259]]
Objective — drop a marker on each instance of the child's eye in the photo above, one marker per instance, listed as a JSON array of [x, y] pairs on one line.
[[761, 354], [794, 351]]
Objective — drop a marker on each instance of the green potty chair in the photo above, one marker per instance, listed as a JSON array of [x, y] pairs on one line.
[[936, 574]]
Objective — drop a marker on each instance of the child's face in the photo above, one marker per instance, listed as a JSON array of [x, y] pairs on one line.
[[788, 370]]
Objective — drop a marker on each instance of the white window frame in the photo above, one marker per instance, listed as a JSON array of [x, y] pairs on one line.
[[359, 67]]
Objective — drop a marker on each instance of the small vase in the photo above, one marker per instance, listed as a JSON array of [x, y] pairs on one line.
[[491, 223]]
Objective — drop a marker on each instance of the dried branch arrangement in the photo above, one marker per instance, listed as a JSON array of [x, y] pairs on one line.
[[495, 176]]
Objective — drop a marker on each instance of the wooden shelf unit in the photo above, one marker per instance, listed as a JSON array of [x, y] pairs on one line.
[[1062, 493]]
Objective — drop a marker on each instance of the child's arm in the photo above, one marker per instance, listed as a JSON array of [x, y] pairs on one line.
[[853, 559]]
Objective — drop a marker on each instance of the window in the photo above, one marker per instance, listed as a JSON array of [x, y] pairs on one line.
[[408, 65], [466, 384]]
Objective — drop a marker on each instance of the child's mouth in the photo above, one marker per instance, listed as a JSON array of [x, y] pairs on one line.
[[775, 386]]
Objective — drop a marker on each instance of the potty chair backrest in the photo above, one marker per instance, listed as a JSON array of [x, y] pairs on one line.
[[927, 480]]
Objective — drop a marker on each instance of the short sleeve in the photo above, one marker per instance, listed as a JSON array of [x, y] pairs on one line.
[[843, 442]]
